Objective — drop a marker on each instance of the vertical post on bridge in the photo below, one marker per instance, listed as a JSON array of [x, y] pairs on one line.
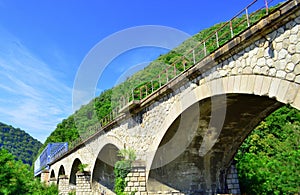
[[194, 56], [152, 86], [204, 48], [132, 93], [217, 39], [247, 15], [267, 7], [231, 29]]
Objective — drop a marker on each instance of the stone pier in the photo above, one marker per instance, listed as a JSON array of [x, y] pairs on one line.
[[83, 185], [136, 179], [63, 185]]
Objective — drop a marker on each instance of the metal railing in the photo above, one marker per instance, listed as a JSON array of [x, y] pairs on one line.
[[227, 30]]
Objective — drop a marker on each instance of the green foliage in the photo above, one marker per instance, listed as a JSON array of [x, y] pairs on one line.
[[19, 143], [122, 168], [127, 154], [72, 193], [81, 167], [17, 179], [269, 159]]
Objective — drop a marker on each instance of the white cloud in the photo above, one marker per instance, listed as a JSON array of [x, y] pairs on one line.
[[31, 95]]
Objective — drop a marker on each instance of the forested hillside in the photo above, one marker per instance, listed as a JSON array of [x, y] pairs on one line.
[[19, 143]]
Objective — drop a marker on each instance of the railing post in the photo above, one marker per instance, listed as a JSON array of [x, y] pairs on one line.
[[204, 45], [217, 39], [132, 93], [267, 7], [152, 87], [231, 30], [167, 75], [248, 19], [175, 70], [146, 90], [194, 59]]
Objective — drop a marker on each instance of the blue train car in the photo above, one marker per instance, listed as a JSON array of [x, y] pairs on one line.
[[49, 154]]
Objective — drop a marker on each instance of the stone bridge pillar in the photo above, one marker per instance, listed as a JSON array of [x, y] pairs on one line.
[[45, 176], [136, 179], [83, 185], [52, 181], [63, 185]]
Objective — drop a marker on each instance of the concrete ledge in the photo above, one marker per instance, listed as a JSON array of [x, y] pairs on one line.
[[130, 106]]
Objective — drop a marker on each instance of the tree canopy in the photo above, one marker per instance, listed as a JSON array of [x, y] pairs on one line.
[[16, 178], [19, 143], [268, 161]]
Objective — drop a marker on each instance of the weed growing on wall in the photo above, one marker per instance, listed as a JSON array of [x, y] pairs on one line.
[[122, 168]]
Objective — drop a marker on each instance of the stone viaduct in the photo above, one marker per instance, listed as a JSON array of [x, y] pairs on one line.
[[186, 134]]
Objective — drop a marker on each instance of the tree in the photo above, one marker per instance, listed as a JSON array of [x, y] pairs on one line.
[[269, 159], [17, 179]]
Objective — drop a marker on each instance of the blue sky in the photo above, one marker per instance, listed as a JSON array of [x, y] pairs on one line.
[[43, 43]]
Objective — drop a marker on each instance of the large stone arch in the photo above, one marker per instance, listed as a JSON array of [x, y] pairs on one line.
[[267, 63], [99, 144], [270, 92], [103, 171]]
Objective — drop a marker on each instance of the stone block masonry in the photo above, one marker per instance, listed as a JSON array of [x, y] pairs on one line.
[[52, 181], [83, 185], [45, 176], [136, 179], [233, 181], [63, 185]]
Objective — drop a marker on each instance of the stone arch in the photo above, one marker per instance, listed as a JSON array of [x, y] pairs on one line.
[[103, 170], [61, 170], [101, 143], [52, 179], [269, 92], [74, 170], [52, 174]]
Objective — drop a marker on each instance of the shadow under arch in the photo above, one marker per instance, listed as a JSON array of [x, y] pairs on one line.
[[74, 170], [52, 174], [103, 171], [192, 172], [61, 172], [258, 97]]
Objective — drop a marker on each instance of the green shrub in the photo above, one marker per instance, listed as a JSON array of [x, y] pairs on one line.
[[122, 168]]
